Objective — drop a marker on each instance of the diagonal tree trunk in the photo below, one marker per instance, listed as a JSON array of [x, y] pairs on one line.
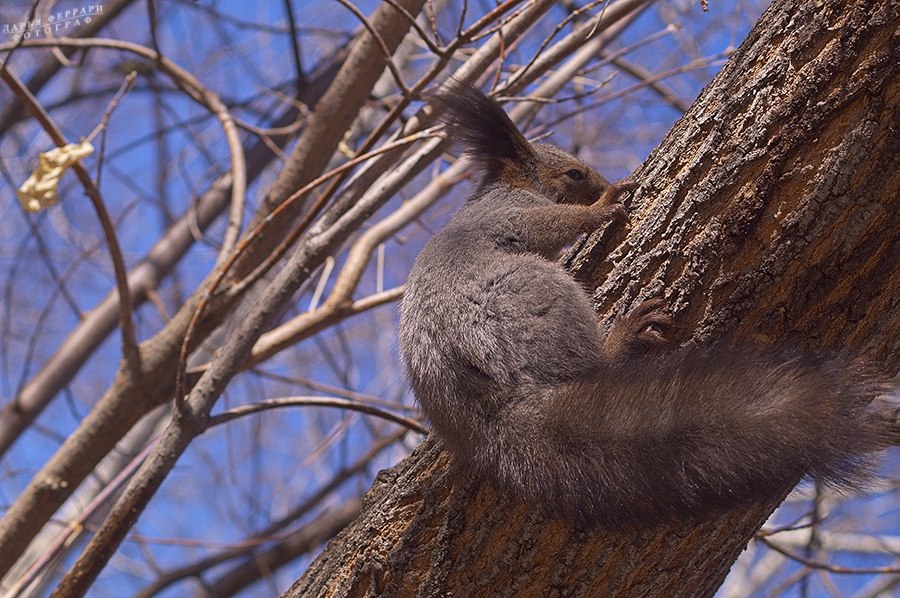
[[769, 213]]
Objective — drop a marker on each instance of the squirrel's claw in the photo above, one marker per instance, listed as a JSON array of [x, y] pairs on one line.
[[642, 330], [616, 189], [618, 213]]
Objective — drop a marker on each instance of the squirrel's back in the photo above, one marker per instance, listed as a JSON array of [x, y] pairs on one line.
[[505, 358]]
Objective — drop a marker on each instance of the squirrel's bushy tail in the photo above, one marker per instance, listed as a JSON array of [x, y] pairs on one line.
[[682, 433], [480, 125]]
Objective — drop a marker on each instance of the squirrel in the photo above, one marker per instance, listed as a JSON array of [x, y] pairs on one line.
[[505, 357]]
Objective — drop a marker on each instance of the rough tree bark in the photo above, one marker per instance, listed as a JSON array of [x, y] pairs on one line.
[[768, 213]]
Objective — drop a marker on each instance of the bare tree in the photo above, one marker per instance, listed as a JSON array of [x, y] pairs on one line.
[[768, 211]]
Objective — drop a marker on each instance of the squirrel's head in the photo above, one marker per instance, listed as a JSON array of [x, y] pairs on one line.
[[564, 178], [503, 154]]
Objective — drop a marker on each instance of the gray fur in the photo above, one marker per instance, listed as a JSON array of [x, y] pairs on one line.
[[505, 357]]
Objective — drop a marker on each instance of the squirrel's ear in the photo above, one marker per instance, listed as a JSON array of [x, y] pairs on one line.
[[480, 125]]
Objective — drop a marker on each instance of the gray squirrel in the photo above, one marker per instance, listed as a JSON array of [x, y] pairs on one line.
[[505, 356]]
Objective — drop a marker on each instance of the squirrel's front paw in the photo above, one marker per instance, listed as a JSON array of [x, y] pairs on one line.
[[617, 213], [609, 204], [643, 329], [614, 190]]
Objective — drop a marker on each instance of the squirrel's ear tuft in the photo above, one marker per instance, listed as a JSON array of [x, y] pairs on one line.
[[480, 125]]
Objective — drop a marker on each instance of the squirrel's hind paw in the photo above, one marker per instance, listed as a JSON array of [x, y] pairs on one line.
[[642, 330]]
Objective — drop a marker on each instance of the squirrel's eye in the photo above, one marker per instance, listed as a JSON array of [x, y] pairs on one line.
[[575, 174]]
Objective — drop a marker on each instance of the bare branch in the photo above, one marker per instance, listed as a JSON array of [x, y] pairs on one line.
[[201, 95], [826, 566], [351, 405], [129, 339]]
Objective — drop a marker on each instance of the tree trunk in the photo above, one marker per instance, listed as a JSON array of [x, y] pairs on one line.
[[769, 213]]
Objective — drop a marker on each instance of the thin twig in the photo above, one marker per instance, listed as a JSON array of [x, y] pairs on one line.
[[589, 29], [126, 86], [693, 65], [611, 14], [18, 43], [339, 303], [196, 90], [295, 43], [308, 323], [77, 525], [272, 532], [276, 254], [129, 338], [350, 405], [151, 13], [435, 49], [826, 566], [388, 55]]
